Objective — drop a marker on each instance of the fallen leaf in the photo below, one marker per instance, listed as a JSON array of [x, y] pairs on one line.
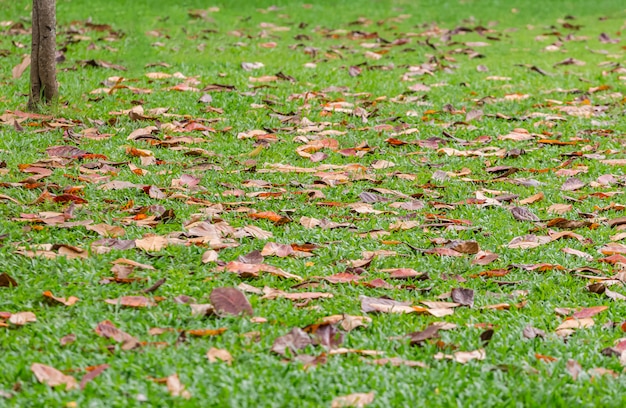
[[214, 355], [53, 377], [463, 296], [132, 301], [21, 318], [293, 341], [176, 388], [92, 374], [67, 302], [108, 330], [353, 400], [230, 301], [6, 280]]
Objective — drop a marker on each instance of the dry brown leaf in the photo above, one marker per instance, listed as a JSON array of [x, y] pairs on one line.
[[67, 302], [53, 377], [215, 354]]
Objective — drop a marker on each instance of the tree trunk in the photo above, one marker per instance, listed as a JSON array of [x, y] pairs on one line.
[[43, 76]]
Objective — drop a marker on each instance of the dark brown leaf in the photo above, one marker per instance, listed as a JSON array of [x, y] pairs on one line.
[[6, 280]]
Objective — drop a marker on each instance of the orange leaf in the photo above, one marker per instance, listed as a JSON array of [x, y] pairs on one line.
[[67, 302], [206, 332]]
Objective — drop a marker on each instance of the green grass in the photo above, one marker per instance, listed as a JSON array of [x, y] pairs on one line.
[[207, 49]]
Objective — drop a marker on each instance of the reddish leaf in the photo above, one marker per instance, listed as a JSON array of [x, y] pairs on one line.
[[64, 198], [589, 312], [108, 330], [230, 301], [93, 373], [342, 277], [132, 301]]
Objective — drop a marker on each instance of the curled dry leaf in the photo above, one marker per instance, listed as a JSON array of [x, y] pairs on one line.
[[214, 355], [67, 302], [53, 377], [108, 330], [206, 332]]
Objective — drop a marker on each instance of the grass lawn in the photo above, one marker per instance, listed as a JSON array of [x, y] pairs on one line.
[[422, 204]]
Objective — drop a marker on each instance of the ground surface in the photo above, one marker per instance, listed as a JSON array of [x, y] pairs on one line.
[[421, 203]]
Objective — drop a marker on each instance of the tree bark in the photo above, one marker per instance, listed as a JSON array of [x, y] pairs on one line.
[[43, 77]]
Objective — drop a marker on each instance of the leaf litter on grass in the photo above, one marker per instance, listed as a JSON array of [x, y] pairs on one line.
[[426, 189]]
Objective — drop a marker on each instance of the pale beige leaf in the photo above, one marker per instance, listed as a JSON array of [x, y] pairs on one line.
[[215, 354], [560, 208], [53, 377], [106, 230], [176, 388], [308, 222], [21, 318], [353, 400], [576, 323], [151, 243], [209, 256]]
